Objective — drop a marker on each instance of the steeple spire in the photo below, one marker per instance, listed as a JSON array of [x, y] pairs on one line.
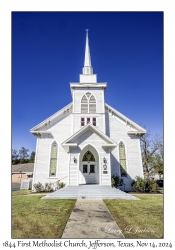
[[87, 70]]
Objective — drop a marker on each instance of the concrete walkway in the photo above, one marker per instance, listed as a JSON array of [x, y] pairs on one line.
[[16, 186], [91, 219]]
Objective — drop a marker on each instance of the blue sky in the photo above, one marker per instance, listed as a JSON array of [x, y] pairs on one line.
[[48, 53]]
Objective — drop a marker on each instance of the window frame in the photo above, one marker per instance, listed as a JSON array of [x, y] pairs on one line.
[[95, 121], [50, 158], [88, 102], [123, 175], [86, 122], [82, 121]]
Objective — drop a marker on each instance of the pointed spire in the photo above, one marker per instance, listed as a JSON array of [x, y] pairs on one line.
[[87, 70]]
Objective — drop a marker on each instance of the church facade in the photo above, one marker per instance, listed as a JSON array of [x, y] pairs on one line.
[[87, 141]]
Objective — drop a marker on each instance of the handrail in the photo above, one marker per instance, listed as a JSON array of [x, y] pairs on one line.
[[62, 178], [59, 180], [53, 183]]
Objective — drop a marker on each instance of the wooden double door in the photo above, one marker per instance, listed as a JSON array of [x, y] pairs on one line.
[[88, 171]]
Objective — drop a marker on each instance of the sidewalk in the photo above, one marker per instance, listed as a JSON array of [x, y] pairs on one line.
[[90, 219]]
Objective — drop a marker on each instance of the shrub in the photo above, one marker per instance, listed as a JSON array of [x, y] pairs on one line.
[[38, 186], [112, 182], [48, 187], [144, 185], [116, 181], [61, 184]]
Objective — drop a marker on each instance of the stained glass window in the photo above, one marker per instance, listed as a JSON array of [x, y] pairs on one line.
[[88, 156], [94, 121], [82, 121], [53, 160], [122, 159]]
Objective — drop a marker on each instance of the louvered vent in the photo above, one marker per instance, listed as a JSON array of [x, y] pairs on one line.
[[84, 99], [88, 103], [92, 108], [92, 99], [84, 108], [88, 94]]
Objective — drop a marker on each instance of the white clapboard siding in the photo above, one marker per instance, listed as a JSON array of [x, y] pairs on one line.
[[91, 138], [115, 162], [60, 131], [118, 132], [77, 121]]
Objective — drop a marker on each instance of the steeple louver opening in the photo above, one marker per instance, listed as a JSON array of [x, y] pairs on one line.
[[88, 103], [84, 104], [92, 104]]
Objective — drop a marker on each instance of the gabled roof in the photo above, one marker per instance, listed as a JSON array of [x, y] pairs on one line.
[[70, 141], [26, 167], [36, 129], [137, 129]]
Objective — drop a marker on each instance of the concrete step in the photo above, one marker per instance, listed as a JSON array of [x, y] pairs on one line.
[[89, 192]]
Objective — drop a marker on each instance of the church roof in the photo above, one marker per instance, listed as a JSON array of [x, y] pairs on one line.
[[50, 119], [41, 128], [24, 168], [126, 120]]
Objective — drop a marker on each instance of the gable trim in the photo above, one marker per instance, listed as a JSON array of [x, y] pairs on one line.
[[84, 129], [67, 144], [139, 129], [51, 118]]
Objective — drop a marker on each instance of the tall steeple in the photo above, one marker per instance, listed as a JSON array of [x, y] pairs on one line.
[[87, 69]]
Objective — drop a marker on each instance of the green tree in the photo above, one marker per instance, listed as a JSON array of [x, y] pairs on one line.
[[158, 164], [23, 155], [15, 156], [32, 157], [152, 152]]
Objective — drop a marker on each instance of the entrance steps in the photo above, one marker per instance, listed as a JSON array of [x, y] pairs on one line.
[[91, 191]]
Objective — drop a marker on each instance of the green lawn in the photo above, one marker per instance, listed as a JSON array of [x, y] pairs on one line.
[[139, 218], [33, 217], [21, 192]]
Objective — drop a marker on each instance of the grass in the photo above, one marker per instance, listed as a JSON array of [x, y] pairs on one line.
[[21, 192], [36, 218], [139, 218]]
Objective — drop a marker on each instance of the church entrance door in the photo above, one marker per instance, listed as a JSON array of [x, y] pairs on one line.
[[88, 171]]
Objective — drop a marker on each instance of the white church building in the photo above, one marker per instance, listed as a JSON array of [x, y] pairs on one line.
[[87, 141]]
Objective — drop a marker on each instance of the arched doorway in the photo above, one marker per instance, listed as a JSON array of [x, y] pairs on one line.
[[89, 170]]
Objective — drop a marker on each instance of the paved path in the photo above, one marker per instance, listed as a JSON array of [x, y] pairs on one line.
[[91, 219], [16, 186]]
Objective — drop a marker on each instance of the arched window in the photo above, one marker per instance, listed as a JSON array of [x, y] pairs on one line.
[[53, 159], [88, 156], [88, 103], [122, 155]]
